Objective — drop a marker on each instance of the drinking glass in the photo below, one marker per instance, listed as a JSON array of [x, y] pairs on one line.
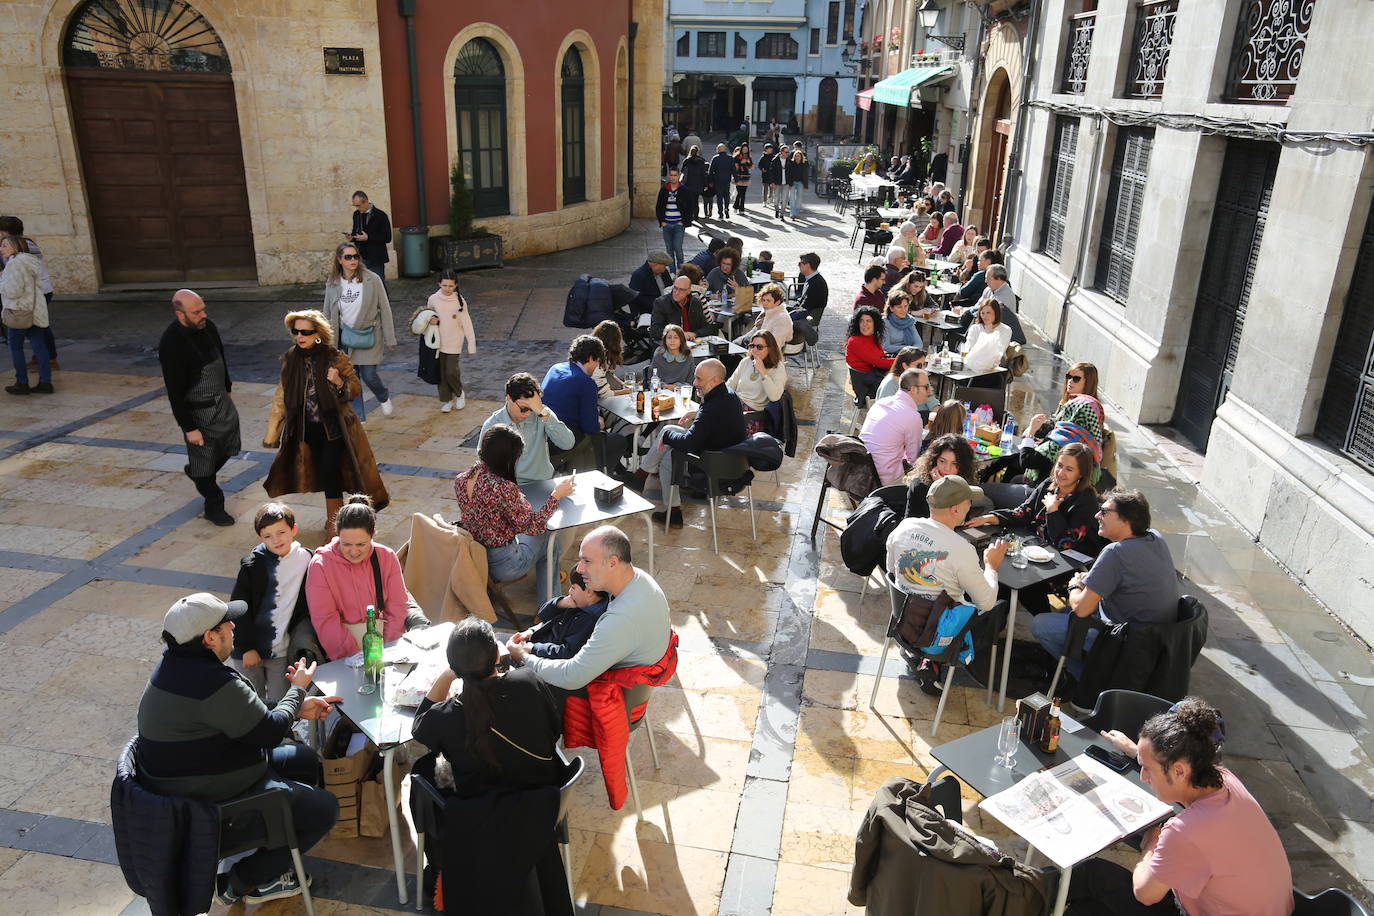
[[1008, 740], [1014, 552]]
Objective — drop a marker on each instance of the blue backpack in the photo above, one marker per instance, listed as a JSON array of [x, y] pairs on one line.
[[951, 622]]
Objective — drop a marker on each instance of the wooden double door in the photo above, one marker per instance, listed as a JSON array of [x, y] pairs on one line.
[[163, 167]]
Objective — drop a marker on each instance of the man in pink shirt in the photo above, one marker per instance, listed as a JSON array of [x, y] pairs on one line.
[[892, 432], [1220, 857]]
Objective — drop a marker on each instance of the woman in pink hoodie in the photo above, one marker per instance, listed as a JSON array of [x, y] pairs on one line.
[[340, 583]]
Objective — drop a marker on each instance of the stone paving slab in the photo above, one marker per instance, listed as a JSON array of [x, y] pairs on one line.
[[769, 751]]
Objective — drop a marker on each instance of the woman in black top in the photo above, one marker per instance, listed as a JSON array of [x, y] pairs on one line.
[[500, 731], [1062, 510]]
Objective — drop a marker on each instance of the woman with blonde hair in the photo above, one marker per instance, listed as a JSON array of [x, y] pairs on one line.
[[948, 420], [322, 445], [356, 306]]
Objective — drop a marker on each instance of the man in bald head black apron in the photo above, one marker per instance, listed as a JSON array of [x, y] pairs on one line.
[[198, 385]]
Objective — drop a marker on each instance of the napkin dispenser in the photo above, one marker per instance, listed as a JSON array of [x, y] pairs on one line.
[[608, 495], [719, 347], [1034, 712]]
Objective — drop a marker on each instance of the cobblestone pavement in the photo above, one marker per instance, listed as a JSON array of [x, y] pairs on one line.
[[769, 751]]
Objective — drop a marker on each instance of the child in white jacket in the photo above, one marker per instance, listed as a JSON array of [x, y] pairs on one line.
[[455, 327]]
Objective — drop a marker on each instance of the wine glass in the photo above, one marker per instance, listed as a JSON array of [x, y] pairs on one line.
[[1008, 740]]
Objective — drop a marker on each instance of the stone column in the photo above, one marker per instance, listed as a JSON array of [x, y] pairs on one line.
[[748, 82]]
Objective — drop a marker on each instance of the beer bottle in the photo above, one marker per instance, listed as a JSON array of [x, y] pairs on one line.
[[372, 647], [639, 399], [1050, 743]]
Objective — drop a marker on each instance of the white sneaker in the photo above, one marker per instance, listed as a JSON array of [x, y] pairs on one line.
[[446, 407], [388, 408], [460, 402]]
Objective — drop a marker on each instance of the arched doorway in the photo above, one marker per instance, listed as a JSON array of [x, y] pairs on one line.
[[997, 129], [826, 99], [157, 130], [574, 129], [479, 104]]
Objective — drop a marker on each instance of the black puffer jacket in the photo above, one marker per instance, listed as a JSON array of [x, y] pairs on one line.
[[168, 846]]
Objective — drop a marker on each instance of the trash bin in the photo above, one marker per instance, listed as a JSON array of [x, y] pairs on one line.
[[414, 251]]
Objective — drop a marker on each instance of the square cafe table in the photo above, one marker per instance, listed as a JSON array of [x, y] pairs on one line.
[[388, 727], [581, 508], [1017, 579], [972, 759], [622, 406], [950, 378]]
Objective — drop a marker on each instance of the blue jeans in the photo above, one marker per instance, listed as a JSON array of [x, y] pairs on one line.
[[794, 199], [369, 377], [34, 335], [1052, 632], [511, 561], [293, 767], [672, 241]]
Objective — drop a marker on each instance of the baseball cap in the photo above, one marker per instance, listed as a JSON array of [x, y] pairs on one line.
[[951, 491], [193, 615], [660, 257]]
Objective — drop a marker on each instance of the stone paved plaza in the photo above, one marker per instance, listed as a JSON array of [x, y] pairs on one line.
[[770, 753]]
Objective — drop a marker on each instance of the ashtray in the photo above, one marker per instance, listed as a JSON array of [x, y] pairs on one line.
[[608, 494]]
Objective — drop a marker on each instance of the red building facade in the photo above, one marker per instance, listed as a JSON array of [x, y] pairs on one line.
[[533, 100]]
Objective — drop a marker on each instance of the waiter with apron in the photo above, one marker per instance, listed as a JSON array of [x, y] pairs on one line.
[[197, 380]]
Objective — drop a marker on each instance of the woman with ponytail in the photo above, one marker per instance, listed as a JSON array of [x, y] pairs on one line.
[[1220, 855], [500, 730]]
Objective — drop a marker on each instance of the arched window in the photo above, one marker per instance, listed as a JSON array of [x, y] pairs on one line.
[[574, 129], [479, 102], [143, 35]]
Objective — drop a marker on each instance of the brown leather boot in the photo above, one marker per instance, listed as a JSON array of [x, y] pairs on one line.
[[331, 508]]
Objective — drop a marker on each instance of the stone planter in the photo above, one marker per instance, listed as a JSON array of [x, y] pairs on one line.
[[466, 254]]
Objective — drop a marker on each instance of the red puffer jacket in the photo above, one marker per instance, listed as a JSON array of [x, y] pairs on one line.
[[599, 720]]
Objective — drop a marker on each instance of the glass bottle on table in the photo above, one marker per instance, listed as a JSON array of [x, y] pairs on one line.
[[639, 398], [372, 652], [1050, 743]]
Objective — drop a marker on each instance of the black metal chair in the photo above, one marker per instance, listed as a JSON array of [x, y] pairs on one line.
[[1189, 610], [1125, 711], [271, 809], [996, 398], [1330, 902], [949, 657], [865, 387], [427, 810], [717, 466]]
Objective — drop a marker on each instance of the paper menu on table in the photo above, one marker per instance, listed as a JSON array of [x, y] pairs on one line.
[[1075, 810]]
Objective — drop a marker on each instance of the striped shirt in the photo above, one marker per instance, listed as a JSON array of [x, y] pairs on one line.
[[671, 214]]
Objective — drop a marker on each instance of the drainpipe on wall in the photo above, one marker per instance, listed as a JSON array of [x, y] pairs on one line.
[[972, 117], [1078, 256], [407, 10], [1030, 54], [630, 120]]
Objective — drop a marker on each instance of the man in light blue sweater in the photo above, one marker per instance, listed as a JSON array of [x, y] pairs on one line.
[[537, 425], [633, 630]]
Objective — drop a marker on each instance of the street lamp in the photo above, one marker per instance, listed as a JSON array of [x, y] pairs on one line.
[[928, 13], [847, 54]]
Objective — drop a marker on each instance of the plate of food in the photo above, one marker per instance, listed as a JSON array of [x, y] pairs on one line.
[[1038, 554]]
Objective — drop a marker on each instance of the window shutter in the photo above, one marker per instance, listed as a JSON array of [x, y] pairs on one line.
[[1063, 151], [1121, 227], [1346, 419]]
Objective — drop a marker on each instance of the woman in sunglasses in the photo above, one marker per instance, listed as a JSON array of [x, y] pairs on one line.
[[1078, 418], [322, 445], [761, 379], [355, 304]]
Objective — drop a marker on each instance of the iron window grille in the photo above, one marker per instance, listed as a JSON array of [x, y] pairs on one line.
[[1079, 51], [1150, 45], [1271, 41]]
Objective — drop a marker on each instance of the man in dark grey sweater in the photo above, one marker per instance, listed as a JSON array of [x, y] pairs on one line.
[[203, 733]]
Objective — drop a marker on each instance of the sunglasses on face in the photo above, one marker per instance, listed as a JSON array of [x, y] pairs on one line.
[[1105, 511], [1073, 378], [348, 257], [302, 332], [758, 346]]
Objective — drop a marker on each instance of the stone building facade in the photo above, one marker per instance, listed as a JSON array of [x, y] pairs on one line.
[[174, 142], [1195, 219], [192, 142]]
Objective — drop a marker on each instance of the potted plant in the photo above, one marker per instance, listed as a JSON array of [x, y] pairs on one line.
[[468, 245]]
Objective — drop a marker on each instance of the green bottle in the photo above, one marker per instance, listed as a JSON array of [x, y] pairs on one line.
[[372, 647]]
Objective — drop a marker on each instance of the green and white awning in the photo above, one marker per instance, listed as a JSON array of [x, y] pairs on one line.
[[897, 90]]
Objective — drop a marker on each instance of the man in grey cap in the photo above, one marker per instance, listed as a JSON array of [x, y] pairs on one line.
[[203, 733], [650, 280], [926, 556]]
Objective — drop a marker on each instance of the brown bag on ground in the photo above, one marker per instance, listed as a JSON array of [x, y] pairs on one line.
[[920, 619]]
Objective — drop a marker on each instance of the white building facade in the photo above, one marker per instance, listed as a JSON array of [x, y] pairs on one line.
[[1194, 218]]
